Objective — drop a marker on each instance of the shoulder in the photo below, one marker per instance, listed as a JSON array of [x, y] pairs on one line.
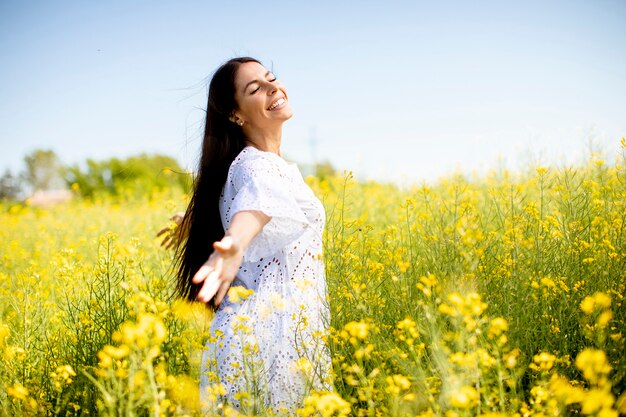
[[252, 164]]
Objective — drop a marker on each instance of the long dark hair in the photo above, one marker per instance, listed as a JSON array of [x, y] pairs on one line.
[[222, 142]]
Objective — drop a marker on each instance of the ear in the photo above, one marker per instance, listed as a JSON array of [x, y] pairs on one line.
[[236, 119]]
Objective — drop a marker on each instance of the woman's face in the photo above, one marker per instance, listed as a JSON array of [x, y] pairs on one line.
[[262, 99]]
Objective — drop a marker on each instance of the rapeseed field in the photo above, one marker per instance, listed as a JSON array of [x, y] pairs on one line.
[[491, 296]]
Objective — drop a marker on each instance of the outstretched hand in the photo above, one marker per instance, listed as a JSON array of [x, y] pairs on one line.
[[219, 270], [172, 231]]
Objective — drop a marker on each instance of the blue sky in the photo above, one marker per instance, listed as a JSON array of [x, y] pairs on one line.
[[393, 90]]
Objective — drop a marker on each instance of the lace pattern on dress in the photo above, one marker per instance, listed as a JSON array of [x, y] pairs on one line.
[[272, 342]]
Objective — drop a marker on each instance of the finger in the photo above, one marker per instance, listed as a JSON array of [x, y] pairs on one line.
[[202, 274], [209, 288], [224, 245], [171, 244], [221, 293], [219, 265], [209, 267], [165, 241], [165, 229]]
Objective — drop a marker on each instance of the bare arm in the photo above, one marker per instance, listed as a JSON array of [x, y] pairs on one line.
[[220, 269]]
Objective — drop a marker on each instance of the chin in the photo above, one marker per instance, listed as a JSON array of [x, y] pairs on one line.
[[285, 115]]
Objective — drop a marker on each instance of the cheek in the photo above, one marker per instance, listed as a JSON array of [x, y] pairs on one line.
[[253, 104], [284, 90]]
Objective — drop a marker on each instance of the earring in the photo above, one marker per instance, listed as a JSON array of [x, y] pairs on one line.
[[240, 123]]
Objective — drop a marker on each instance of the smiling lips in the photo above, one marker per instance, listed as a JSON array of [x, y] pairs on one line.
[[277, 103]]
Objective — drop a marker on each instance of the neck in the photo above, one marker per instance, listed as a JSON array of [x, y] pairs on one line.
[[267, 140]]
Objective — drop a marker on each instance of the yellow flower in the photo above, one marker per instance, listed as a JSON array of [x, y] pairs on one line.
[[403, 265], [598, 300], [588, 305], [540, 394], [105, 360], [357, 330], [241, 324], [470, 323], [18, 391], [126, 334], [66, 373], [447, 310], [326, 404], [548, 282], [604, 318], [116, 352], [607, 412], [364, 352], [510, 358], [564, 391], [4, 334], [621, 401], [594, 365], [427, 284], [543, 361], [303, 365], [497, 326], [595, 400], [602, 299], [463, 359], [428, 413], [464, 397], [468, 305], [407, 331], [486, 360], [396, 384], [151, 329], [238, 293]]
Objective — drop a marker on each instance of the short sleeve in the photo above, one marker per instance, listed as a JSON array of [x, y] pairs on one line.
[[262, 185]]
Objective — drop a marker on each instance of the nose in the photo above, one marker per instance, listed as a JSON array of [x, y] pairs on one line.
[[272, 88]]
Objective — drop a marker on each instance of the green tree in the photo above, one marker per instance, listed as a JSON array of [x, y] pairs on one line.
[[324, 170], [10, 186], [136, 175], [43, 170]]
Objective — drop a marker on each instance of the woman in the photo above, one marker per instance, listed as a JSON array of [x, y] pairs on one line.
[[253, 225]]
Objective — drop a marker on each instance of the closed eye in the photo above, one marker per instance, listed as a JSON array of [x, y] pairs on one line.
[[259, 87]]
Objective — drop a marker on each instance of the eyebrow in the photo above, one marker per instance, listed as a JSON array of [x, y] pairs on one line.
[[254, 81]]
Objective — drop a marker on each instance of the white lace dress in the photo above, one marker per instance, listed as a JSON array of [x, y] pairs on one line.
[[268, 350]]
